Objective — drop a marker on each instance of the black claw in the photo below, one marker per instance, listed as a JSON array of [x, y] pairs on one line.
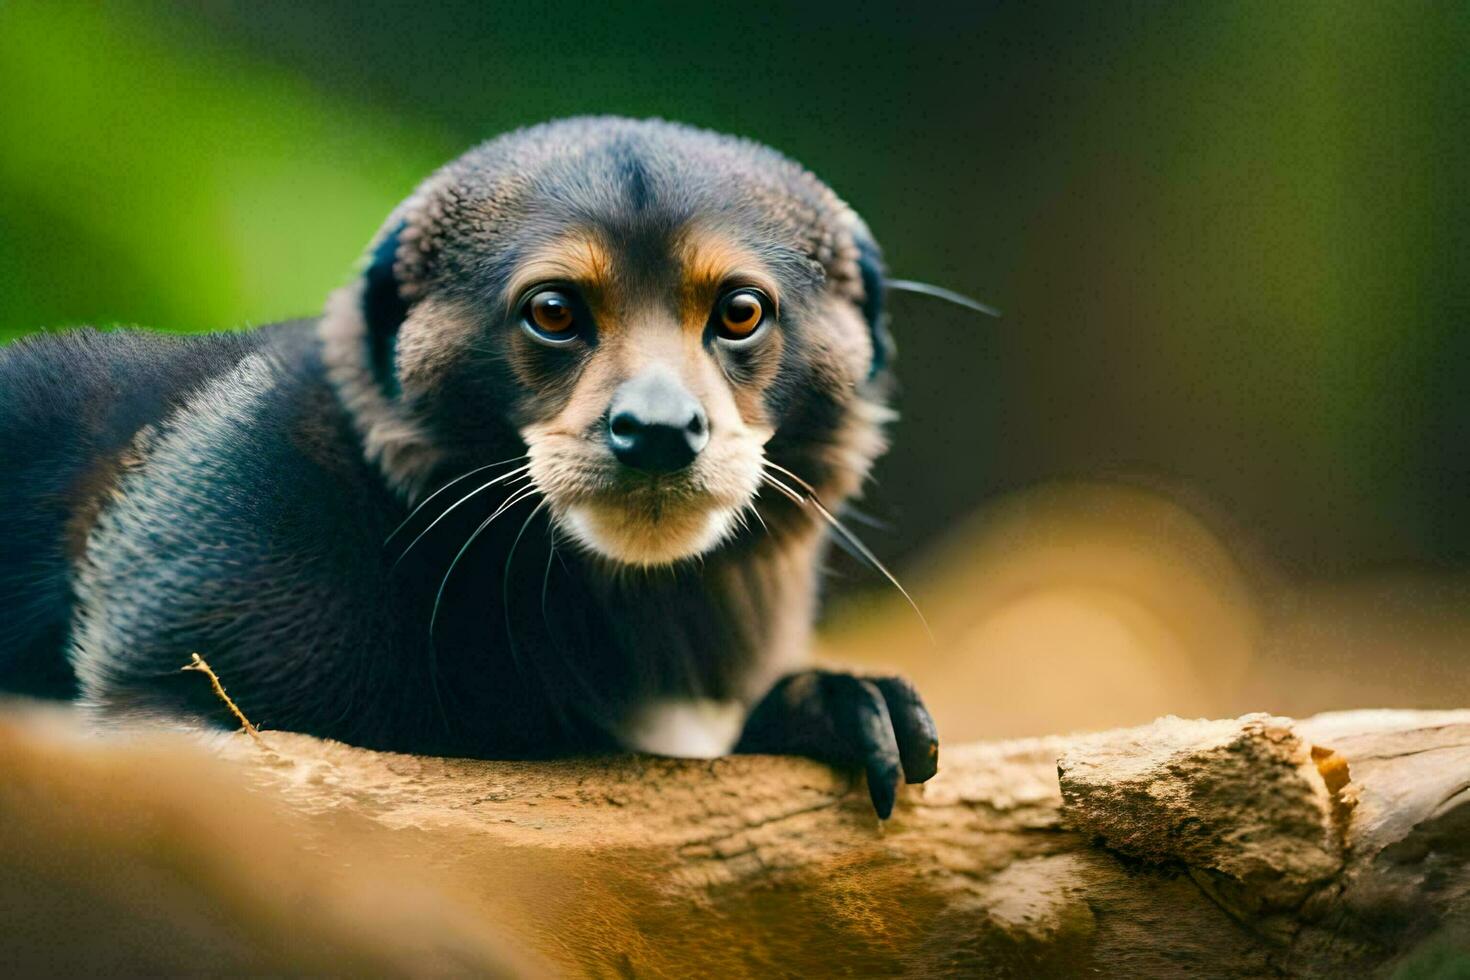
[[882, 788], [918, 738], [862, 717], [879, 725]]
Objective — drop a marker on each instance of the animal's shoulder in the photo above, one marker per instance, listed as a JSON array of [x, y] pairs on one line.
[[245, 435], [91, 390], [72, 407], [251, 515]]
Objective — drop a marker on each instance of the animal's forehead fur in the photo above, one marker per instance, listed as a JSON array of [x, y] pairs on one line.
[[639, 184]]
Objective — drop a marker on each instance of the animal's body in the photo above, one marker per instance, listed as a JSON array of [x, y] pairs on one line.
[[579, 361]]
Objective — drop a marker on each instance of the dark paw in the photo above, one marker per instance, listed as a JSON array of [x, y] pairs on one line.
[[878, 724]]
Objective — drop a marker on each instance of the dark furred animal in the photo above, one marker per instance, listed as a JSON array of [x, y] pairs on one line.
[[597, 388]]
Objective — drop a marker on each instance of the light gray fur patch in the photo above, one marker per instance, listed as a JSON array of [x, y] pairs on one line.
[[143, 558]]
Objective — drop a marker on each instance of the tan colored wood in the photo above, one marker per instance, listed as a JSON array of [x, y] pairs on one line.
[[1248, 847]]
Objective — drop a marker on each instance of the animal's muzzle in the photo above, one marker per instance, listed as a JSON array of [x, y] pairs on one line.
[[655, 425]]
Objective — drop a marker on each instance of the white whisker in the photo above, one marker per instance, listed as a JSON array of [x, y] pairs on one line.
[[857, 543], [790, 494], [756, 511], [939, 292], [546, 576], [459, 479], [847, 535], [505, 586], [514, 474], [516, 498]]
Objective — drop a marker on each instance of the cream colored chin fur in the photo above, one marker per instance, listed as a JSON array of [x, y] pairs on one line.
[[614, 532]]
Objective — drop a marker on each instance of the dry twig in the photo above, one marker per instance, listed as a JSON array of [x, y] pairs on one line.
[[203, 667]]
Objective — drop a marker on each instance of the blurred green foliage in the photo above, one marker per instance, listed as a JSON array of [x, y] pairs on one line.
[[181, 186], [1231, 239]]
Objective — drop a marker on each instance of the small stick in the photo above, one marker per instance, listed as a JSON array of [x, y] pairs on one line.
[[200, 665]]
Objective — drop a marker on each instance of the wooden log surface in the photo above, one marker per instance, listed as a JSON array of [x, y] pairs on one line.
[[1258, 846]]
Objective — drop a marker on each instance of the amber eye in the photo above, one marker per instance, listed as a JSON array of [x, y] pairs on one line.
[[551, 316], [740, 314]]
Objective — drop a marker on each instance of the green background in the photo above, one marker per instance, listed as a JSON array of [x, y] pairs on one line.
[[1230, 238]]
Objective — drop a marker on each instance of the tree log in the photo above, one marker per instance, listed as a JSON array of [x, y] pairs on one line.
[[1250, 847]]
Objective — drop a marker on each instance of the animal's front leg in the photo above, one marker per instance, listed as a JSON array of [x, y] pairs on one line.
[[876, 723]]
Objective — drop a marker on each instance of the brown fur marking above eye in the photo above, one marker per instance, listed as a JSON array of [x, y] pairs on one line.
[[580, 257], [710, 259]]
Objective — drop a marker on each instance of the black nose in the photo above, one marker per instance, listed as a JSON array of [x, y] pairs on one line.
[[655, 425]]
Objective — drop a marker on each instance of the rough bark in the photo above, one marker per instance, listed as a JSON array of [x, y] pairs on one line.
[[1256, 846]]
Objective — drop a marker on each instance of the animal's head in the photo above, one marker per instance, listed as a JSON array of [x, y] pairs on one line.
[[655, 312]]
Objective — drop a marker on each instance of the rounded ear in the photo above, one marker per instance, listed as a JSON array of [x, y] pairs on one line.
[[359, 332], [870, 267], [384, 309]]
